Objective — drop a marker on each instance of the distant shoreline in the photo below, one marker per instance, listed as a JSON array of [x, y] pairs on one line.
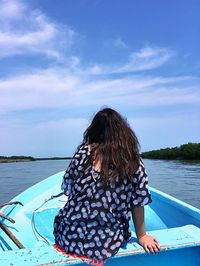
[[190, 151], [16, 159]]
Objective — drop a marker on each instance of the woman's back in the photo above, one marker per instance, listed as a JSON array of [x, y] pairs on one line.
[[95, 220]]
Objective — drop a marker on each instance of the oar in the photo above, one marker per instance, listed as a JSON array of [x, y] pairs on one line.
[[6, 217], [10, 234]]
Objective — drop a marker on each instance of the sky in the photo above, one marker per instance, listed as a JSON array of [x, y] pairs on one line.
[[62, 61]]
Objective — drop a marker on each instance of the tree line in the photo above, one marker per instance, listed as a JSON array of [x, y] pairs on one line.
[[7, 159], [190, 151], [17, 158]]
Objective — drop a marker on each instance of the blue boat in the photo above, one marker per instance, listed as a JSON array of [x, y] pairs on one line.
[[175, 224]]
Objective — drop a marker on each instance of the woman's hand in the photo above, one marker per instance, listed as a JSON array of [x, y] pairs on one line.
[[149, 243]]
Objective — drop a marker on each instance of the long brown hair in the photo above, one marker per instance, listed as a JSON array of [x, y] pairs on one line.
[[114, 143]]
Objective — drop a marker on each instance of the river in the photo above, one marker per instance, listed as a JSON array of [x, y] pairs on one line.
[[180, 179]]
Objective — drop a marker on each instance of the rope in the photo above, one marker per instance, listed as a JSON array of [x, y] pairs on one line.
[[11, 203], [35, 230]]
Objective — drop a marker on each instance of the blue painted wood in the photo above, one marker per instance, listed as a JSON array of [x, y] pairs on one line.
[[175, 223], [169, 239]]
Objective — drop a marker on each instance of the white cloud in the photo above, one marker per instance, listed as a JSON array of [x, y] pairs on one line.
[[45, 89], [26, 31], [145, 59], [59, 88], [11, 9]]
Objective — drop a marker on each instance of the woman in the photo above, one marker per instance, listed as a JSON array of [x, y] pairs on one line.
[[105, 183]]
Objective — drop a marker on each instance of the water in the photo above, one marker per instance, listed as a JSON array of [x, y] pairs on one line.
[[180, 179], [16, 177]]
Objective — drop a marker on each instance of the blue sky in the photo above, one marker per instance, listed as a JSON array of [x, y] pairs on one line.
[[60, 62]]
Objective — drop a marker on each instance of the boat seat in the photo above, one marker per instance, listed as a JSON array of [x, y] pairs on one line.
[[44, 218], [171, 238]]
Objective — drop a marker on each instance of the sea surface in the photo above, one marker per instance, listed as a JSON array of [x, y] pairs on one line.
[[180, 179]]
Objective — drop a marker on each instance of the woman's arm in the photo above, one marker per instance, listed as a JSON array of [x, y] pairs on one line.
[[149, 243]]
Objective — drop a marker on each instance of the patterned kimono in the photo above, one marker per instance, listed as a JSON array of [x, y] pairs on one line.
[[95, 220]]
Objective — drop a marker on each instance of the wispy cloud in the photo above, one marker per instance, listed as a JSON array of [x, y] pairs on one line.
[[56, 88], [11, 10], [30, 31], [79, 85], [145, 59], [26, 31], [118, 42], [38, 90]]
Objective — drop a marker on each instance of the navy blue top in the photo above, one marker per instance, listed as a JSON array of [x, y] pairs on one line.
[[95, 220]]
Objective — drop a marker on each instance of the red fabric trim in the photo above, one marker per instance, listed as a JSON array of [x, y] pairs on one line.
[[93, 262]]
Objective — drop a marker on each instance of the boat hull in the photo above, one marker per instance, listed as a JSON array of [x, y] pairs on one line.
[[175, 224]]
